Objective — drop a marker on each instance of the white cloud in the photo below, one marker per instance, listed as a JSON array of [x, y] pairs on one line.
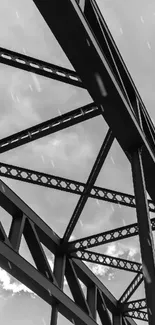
[[118, 249], [132, 251], [8, 285], [100, 270], [114, 250]]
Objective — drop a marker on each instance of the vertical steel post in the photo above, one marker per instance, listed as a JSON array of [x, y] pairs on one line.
[[117, 319], [145, 233], [59, 271], [92, 299]]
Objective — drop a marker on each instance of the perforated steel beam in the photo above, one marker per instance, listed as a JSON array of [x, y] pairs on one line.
[[48, 127], [40, 280], [134, 305], [84, 38], [106, 237], [42, 68], [108, 260], [142, 315], [131, 288], [75, 187]]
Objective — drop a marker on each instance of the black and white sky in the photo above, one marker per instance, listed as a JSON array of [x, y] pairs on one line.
[[27, 99]]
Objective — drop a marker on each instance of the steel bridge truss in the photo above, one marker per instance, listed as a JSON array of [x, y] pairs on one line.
[[86, 40]]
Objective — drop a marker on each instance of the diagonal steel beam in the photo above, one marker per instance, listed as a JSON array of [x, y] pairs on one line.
[[89, 279], [142, 315], [102, 309], [16, 207], [131, 288], [39, 67], [75, 187], [16, 231], [27, 274], [108, 260], [128, 321], [98, 77], [13, 263], [48, 127], [90, 182], [134, 305], [36, 250], [106, 237], [75, 287]]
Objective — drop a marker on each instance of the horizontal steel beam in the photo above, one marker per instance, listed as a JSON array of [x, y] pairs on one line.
[[75, 287], [108, 260], [106, 237], [48, 127], [142, 315], [75, 187], [134, 305], [42, 68]]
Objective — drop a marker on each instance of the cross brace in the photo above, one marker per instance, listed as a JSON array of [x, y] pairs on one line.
[[39, 67], [48, 127], [107, 260]]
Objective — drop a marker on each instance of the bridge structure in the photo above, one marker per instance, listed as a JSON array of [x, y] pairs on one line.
[[84, 36]]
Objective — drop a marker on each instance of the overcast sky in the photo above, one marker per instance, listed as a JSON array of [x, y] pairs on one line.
[[27, 99]]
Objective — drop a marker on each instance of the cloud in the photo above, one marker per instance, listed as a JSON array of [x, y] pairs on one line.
[[8, 283], [65, 150], [100, 270], [115, 250]]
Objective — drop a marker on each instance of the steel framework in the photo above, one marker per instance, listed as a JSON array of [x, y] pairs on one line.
[[86, 40]]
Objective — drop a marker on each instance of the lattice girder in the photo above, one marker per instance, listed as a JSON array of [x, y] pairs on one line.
[[87, 42]]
